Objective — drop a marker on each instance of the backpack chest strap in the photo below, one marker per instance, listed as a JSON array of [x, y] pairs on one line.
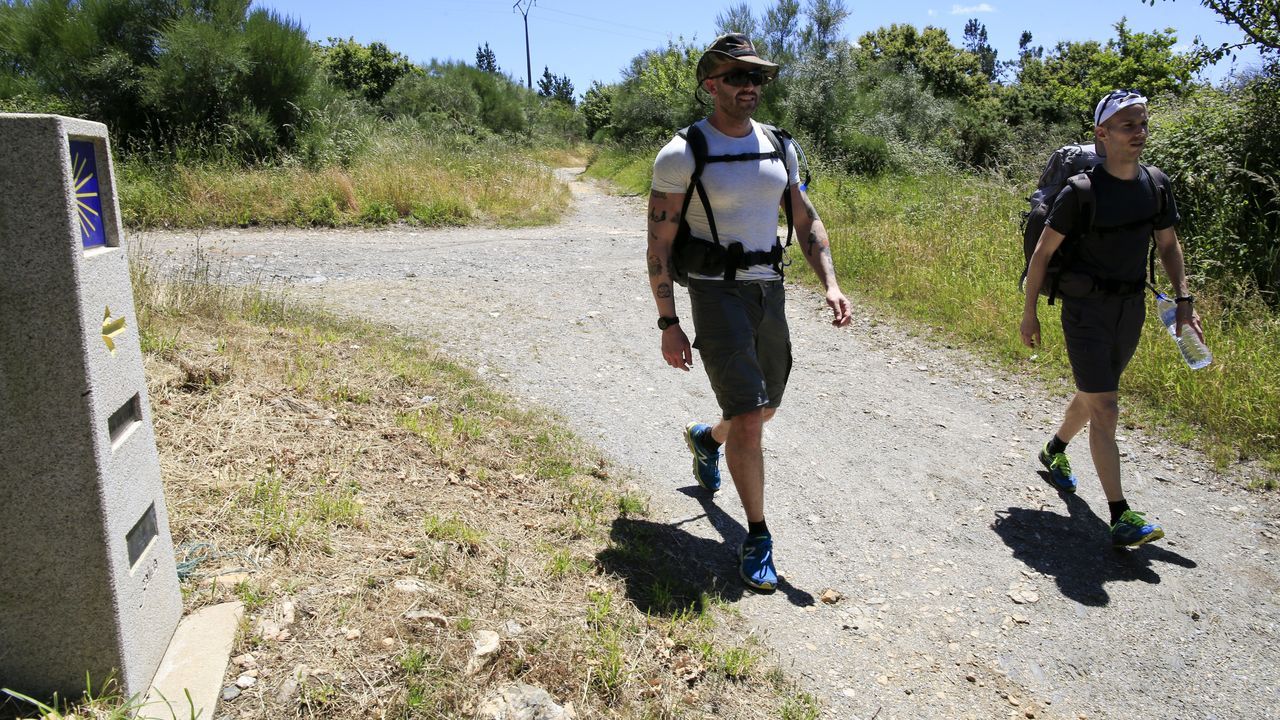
[[746, 157]]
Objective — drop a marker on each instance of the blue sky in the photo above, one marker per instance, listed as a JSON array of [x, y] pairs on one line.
[[595, 39]]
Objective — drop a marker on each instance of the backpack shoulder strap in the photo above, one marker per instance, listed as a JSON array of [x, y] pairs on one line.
[[1082, 184], [1159, 184], [697, 141], [778, 137]]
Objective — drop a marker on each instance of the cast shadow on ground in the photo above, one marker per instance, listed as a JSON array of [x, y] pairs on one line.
[[1075, 550], [668, 570]]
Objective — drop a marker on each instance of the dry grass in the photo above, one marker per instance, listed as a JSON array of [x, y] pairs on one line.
[[402, 177], [376, 506]]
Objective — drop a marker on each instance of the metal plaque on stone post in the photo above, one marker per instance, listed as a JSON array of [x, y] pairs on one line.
[[88, 586]]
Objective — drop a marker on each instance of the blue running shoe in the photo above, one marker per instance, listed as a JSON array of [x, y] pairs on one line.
[[1132, 530], [706, 463], [1059, 469], [756, 564]]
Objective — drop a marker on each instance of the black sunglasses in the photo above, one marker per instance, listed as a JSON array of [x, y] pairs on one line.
[[742, 78]]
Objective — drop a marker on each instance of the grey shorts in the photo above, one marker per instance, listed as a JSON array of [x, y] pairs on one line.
[[741, 334], [1101, 336]]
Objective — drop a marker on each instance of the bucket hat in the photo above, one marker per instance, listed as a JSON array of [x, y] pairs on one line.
[[733, 47]]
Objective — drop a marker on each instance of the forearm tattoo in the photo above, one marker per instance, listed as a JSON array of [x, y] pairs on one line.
[[655, 266], [656, 216], [663, 291]]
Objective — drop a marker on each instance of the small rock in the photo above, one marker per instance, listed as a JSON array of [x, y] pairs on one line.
[[1014, 701], [388, 642], [484, 647], [511, 628], [971, 678], [831, 596], [408, 552], [245, 661], [409, 586], [353, 634], [428, 616], [518, 700], [230, 692], [244, 682]]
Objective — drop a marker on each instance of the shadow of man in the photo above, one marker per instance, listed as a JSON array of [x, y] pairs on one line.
[[1076, 550], [668, 570]]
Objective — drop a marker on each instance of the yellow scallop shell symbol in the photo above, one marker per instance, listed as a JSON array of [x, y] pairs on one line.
[[111, 329]]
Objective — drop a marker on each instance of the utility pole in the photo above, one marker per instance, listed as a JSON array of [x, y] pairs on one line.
[[523, 6]]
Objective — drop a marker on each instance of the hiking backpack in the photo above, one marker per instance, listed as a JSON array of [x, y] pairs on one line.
[[709, 257], [1073, 165]]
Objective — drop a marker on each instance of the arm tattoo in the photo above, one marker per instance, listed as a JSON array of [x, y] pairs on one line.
[[809, 209], [663, 291], [675, 218], [812, 241], [656, 216], [655, 266]]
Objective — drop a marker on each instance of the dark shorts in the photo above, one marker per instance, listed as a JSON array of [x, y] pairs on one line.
[[1101, 335], [740, 332]]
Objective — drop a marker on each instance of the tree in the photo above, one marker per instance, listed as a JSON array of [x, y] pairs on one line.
[[944, 68], [822, 32], [369, 71], [975, 41], [1259, 20], [486, 60], [555, 87], [597, 107], [780, 32], [737, 19]]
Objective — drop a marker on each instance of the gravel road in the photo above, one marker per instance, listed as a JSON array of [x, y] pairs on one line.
[[901, 473]]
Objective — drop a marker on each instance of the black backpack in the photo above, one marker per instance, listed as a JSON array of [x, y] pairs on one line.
[[1080, 161], [709, 257]]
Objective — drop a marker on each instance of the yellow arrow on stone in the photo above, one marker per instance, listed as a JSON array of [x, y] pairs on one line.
[[111, 328]]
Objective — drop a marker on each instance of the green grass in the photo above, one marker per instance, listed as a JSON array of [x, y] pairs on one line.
[[630, 171]]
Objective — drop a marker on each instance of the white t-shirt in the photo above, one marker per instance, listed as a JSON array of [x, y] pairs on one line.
[[744, 195]]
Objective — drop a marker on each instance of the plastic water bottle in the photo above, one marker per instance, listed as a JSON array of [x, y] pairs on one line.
[[1193, 351]]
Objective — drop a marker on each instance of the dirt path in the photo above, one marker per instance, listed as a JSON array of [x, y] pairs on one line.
[[900, 474]]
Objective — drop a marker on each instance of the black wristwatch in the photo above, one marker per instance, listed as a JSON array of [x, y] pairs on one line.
[[1184, 298], [666, 322]]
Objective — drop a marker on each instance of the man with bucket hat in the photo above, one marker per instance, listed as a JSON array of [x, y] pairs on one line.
[[1108, 216], [726, 249]]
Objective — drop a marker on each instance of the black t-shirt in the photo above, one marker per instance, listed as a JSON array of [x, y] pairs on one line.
[[1124, 217]]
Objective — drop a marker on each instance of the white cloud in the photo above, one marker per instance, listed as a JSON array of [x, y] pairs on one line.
[[970, 9], [933, 13]]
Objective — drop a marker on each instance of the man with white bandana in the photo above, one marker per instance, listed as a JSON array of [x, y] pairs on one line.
[[1102, 289]]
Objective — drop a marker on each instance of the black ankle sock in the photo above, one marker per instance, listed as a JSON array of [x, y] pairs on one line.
[[756, 529], [708, 440], [1056, 445], [1117, 509]]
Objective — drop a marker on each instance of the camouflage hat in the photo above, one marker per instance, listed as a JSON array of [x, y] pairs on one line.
[[733, 47]]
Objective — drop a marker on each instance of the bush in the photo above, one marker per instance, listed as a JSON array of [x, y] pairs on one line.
[[863, 154], [1220, 149]]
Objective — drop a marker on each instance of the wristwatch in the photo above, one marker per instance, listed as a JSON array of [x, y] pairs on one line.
[[666, 322]]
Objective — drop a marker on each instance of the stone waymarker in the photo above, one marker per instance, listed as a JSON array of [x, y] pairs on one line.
[[87, 577]]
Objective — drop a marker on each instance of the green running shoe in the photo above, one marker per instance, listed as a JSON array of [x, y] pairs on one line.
[[1059, 468], [1132, 530]]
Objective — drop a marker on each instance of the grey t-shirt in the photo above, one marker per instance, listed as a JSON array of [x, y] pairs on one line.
[[1119, 254], [744, 195]]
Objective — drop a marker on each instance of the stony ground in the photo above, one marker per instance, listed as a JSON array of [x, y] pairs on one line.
[[901, 474]]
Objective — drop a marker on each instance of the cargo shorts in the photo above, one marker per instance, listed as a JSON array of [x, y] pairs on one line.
[[741, 335]]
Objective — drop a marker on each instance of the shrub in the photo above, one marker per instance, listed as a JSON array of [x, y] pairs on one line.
[[863, 154]]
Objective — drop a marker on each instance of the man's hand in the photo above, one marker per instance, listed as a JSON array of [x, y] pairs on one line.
[[1186, 315], [1030, 330], [840, 308], [676, 349]]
